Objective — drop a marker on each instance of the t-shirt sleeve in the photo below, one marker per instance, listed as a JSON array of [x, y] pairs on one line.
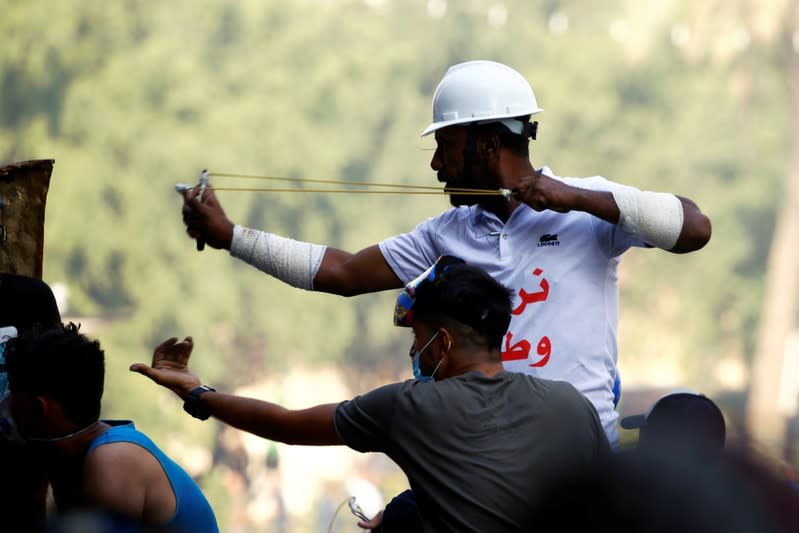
[[611, 237], [364, 423], [410, 254]]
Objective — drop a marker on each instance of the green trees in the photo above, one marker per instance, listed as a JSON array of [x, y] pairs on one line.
[[754, 45], [131, 97]]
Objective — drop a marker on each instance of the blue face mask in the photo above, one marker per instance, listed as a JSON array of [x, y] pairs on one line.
[[3, 373], [6, 332], [8, 428], [417, 355]]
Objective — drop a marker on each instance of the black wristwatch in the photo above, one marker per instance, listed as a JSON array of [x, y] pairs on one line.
[[194, 407]]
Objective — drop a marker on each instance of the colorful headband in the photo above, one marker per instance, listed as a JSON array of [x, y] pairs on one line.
[[403, 310]]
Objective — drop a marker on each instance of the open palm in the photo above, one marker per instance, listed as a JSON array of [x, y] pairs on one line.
[[170, 366]]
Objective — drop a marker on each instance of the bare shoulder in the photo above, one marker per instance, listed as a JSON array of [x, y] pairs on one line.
[[119, 456], [119, 466], [126, 478]]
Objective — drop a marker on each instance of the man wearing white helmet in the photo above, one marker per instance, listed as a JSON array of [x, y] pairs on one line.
[[555, 241]]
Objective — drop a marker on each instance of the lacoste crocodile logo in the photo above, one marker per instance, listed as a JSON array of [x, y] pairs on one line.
[[548, 240]]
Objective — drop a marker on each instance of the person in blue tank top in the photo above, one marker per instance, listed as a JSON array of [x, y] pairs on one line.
[[56, 382]]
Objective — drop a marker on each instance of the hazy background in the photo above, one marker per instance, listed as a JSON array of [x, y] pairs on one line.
[[129, 97]]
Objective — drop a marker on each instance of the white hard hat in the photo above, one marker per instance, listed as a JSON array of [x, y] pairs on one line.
[[482, 92]]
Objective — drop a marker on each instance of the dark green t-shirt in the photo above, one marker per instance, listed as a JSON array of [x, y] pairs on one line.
[[476, 450]]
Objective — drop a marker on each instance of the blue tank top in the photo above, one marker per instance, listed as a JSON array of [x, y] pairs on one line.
[[193, 513]]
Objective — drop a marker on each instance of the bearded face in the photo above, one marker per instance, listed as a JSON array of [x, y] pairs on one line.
[[456, 169]]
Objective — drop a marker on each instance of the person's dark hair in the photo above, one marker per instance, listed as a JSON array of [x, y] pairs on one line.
[[467, 299], [60, 363], [517, 144], [27, 302]]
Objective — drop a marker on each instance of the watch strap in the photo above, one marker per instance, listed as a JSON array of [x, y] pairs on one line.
[[194, 407]]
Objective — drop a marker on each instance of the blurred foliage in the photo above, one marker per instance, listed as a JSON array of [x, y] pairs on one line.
[[130, 97]]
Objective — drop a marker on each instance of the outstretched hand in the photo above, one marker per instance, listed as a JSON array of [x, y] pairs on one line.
[[170, 366]]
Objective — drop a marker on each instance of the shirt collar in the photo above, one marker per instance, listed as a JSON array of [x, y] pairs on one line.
[[478, 215]]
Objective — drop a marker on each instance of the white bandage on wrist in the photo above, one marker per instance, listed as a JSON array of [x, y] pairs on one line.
[[656, 217], [290, 261]]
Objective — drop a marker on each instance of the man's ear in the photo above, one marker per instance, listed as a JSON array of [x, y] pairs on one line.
[[44, 406], [488, 144], [446, 340]]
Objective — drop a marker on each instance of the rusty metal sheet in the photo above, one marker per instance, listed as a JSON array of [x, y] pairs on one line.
[[23, 194]]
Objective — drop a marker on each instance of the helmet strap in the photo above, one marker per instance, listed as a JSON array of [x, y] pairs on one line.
[[530, 129]]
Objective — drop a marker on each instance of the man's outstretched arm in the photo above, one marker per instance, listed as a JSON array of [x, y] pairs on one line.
[[300, 264], [313, 426], [309, 427]]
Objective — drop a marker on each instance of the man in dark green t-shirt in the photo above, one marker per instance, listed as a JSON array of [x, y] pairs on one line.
[[477, 443]]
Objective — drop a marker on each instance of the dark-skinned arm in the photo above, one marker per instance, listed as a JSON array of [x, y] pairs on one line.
[[340, 272], [349, 274], [543, 192], [309, 427], [313, 426]]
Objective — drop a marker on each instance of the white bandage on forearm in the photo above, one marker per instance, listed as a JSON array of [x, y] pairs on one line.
[[290, 261], [656, 217]]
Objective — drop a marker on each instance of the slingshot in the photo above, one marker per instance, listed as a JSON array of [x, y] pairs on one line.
[[355, 187]]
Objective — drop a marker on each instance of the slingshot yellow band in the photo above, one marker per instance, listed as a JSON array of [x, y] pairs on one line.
[[394, 188]]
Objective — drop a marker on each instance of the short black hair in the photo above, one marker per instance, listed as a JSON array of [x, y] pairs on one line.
[[26, 302], [469, 296], [60, 363], [517, 144]]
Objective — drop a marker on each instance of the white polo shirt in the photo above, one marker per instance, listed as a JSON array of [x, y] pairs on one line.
[[562, 269]]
